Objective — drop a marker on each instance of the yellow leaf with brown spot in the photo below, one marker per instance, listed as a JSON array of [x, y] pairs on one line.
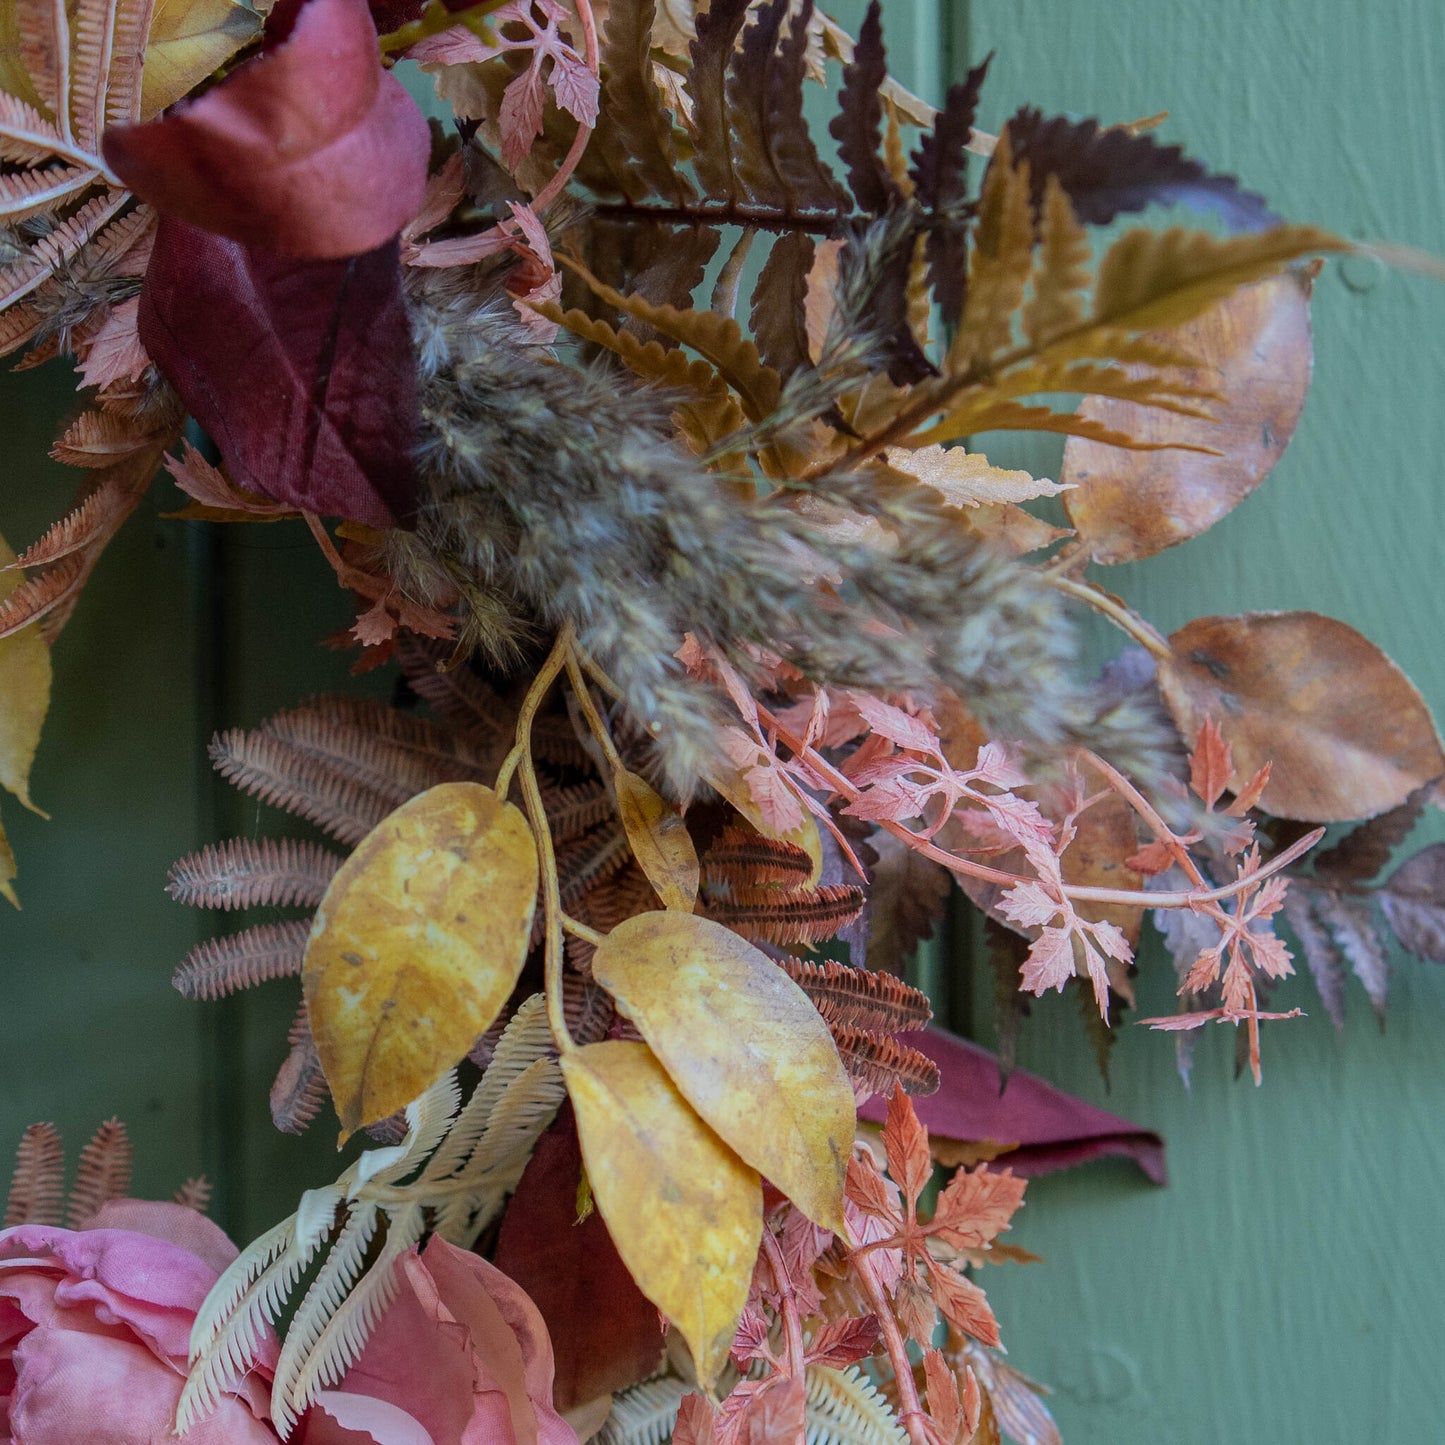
[[417, 945], [24, 692], [744, 1044], [189, 39], [685, 1213], [659, 841]]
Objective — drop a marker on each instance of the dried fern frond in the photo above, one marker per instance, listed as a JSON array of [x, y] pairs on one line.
[[103, 1173], [455, 1165], [880, 1063], [221, 966], [253, 873], [881, 1002], [807, 916], [742, 859], [299, 1091], [644, 1413], [37, 1186], [195, 1194], [846, 1408], [583, 864]]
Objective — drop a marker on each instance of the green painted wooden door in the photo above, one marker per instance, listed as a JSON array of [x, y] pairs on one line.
[[1287, 1287]]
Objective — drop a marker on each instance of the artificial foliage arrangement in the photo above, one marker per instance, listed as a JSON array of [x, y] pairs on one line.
[[635, 415]]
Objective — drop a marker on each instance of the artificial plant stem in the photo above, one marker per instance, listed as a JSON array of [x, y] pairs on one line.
[[792, 1324], [536, 694], [593, 718], [911, 1408], [1123, 617]]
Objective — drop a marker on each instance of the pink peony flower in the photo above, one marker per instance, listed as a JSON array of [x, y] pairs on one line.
[[461, 1358], [95, 1325]]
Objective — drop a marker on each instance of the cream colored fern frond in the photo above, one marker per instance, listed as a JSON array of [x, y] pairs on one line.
[[450, 1174], [846, 1408], [644, 1414]]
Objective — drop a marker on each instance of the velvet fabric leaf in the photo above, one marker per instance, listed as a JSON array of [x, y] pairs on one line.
[[1051, 1129], [310, 149], [302, 371]]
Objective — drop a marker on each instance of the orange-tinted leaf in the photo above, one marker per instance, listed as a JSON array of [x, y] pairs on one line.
[[1348, 734], [1105, 840], [906, 1145], [24, 691], [977, 1205], [1210, 764], [417, 945], [1254, 349], [963, 1304], [685, 1213], [188, 40], [659, 840], [744, 1044]]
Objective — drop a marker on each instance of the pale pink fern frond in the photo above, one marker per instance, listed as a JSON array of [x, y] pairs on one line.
[[104, 1173], [37, 1186], [221, 966], [253, 873]]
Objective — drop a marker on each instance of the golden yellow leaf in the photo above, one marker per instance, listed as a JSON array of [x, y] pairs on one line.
[[24, 692], [744, 1044], [417, 945], [685, 1213], [188, 40], [730, 783], [659, 841]]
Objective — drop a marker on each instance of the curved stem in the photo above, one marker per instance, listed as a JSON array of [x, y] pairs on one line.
[[1123, 617], [792, 1324], [595, 724], [573, 158], [581, 930]]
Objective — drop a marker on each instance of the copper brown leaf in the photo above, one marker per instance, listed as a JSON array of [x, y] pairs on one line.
[[1348, 734], [1254, 351]]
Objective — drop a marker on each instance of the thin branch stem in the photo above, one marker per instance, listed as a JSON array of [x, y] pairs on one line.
[[573, 158], [595, 724], [581, 930], [792, 1324], [911, 1411], [1123, 617]]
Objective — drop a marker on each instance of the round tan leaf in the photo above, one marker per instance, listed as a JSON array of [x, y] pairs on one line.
[[685, 1213], [659, 841], [417, 945], [745, 1046], [1347, 733], [1255, 351], [24, 692]]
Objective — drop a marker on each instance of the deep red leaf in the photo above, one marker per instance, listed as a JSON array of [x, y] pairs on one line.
[[605, 1334], [311, 148], [302, 371]]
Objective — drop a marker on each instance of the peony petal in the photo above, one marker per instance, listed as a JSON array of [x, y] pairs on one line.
[[174, 1223], [89, 1390], [342, 1418], [311, 149]]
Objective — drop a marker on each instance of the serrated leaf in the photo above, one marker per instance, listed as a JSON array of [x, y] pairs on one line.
[[659, 841], [1414, 902], [417, 945], [1364, 851], [1254, 351], [858, 126], [778, 315], [189, 39], [717, 30], [683, 1210], [1348, 734], [745, 1046], [24, 691]]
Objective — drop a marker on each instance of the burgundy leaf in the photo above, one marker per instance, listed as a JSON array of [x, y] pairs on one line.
[[858, 126], [1051, 1129], [311, 148], [605, 1335], [1109, 172], [302, 371]]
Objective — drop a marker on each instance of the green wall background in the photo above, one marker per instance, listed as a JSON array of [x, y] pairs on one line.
[[1287, 1286]]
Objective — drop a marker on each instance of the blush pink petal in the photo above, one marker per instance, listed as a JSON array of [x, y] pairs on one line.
[[88, 1390], [341, 1418], [175, 1223], [310, 149]]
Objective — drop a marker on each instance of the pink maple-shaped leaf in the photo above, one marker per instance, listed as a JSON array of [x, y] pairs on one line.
[[311, 149], [963, 1304], [905, 1142], [844, 1342], [894, 724], [976, 1206], [695, 1422], [1050, 963]]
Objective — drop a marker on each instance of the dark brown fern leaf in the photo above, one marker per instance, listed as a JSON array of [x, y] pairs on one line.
[[807, 916], [605, 905], [37, 1186], [281, 774], [881, 1064], [443, 746], [588, 1009], [221, 966], [573, 811], [1364, 851], [299, 1091], [195, 1194], [858, 126], [742, 859], [254, 873], [455, 694], [717, 32], [103, 1173], [879, 1002], [582, 864], [780, 299]]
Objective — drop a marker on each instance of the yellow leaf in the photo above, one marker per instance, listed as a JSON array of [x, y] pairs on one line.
[[744, 1044], [968, 479], [7, 869], [729, 782], [685, 1213], [417, 945], [24, 692], [659, 841], [188, 40]]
